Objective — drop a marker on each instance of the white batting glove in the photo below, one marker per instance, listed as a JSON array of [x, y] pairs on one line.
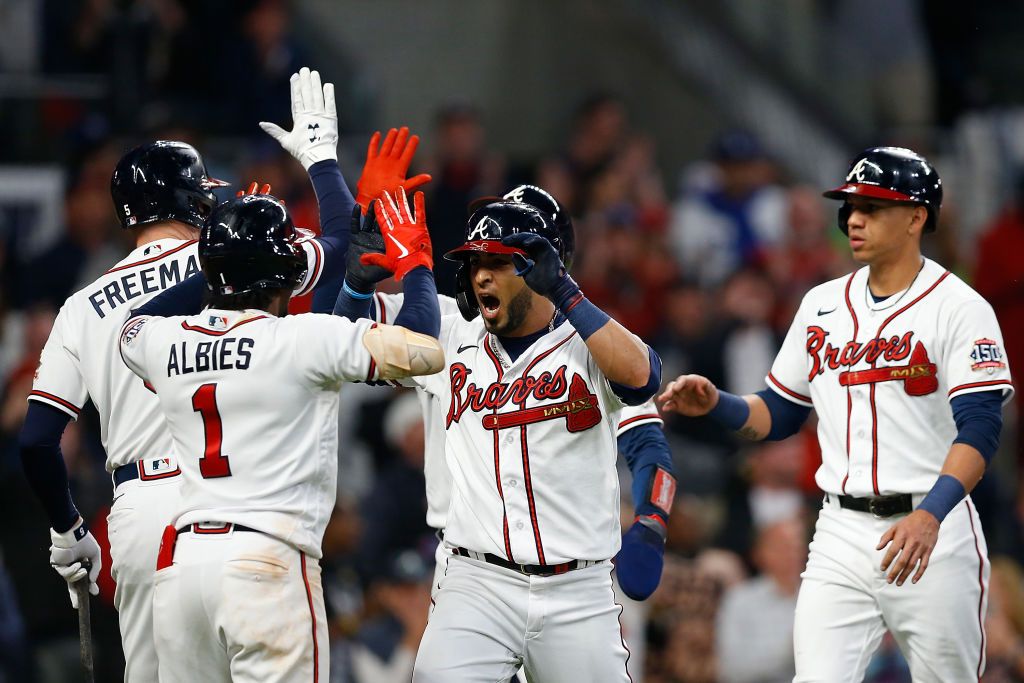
[[314, 133], [67, 553]]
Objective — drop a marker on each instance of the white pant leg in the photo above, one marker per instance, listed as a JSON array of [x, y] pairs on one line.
[[938, 622], [242, 607], [838, 624], [574, 632], [441, 555], [138, 515], [478, 625]]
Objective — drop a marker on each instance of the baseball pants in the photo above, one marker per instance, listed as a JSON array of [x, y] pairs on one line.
[[137, 516], [845, 605], [488, 621], [240, 606]]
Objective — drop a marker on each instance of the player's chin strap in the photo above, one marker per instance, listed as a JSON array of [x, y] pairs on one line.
[[397, 352]]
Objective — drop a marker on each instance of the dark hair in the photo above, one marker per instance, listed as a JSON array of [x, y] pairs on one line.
[[259, 299]]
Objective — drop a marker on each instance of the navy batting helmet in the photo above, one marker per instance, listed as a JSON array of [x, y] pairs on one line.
[[895, 174], [249, 243], [163, 180], [484, 232], [541, 200]]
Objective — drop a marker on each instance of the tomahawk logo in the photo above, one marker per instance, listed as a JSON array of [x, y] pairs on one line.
[[857, 174]]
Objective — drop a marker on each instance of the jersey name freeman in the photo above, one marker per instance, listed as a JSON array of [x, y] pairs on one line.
[[135, 283]]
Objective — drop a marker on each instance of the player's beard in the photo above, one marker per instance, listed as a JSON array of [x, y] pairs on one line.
[[516, 311]]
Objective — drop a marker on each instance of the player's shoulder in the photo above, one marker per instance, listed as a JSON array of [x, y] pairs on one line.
[[954, 291], [831, 292]]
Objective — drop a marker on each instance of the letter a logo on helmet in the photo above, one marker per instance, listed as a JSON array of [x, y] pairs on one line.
[[480, 231], [857, 175]]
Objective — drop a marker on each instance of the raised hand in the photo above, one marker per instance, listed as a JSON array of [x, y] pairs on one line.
[[539, 264], [314, 133], [690, 395], [386, 166], [364, 238], [406, 240]]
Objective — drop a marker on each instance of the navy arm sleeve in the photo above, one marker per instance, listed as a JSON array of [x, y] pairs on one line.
[[420, 310], [184, 298], [979, 419], [353, 307], [787, 417], [634, 396], [43, 462], [645, 449], [336, 205]]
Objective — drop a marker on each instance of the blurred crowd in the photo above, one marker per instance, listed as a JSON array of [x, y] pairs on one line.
[[708, 266]]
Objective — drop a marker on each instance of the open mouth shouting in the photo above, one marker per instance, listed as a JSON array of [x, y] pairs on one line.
[[490, 305]]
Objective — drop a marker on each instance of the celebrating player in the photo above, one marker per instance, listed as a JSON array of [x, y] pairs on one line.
[[251, 401], [903, 363], [162, 193]]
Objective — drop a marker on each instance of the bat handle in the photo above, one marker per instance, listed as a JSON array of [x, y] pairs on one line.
[[84, 622]]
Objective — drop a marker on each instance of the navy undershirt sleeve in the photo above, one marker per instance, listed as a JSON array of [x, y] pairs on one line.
[[336, 204], [184, 298], [351, 307], [420, 310], [634, 396], [43, 462], [787, 417], [645, 449], [979, 419]]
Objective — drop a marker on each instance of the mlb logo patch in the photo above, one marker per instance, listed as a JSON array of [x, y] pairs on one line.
[[218, 322], [987, 355], [158, 468], [153, 249]]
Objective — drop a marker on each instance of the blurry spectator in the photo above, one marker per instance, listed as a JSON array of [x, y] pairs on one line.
[[748, 305], [398, 601], [999, 277], [17, 385], [730, 219], [13, 650], [598, 131], [754, 634], [396, 508], [1004, 625], [463, 170]]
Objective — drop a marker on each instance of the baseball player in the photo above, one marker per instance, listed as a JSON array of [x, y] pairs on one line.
[[903, 363], [251, 401], [639, 435], [162, 193], [529, 412]]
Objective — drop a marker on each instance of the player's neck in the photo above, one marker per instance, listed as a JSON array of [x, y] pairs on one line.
[[542, 312], [164, 230], [888, 276]]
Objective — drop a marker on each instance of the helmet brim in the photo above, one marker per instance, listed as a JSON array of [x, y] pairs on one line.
[[867, 190], [214, 182], [481, 246]]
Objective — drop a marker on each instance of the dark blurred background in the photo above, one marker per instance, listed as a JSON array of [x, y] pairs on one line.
[[691, 140]]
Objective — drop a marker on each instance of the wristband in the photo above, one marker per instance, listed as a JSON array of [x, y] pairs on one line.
[[945, 495], [731, 410], [584, 316], [354, 293]]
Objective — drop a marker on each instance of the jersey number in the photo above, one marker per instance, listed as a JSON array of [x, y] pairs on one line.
[[213, 464]]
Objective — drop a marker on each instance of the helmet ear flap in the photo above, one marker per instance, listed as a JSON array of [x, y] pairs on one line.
[[844, 216], [464, 293]]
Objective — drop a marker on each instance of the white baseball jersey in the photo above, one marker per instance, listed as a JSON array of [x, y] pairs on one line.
[[530, 446], [251, 401], [80, 359], [435, 469], [881, 374]]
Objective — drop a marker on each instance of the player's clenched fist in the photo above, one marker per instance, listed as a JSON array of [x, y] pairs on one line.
[[690, 395], [406, 240]]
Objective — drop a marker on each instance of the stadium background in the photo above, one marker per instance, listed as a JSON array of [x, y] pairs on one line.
[[691, 140]]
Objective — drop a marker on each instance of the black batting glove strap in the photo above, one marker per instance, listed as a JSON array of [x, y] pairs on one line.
[[365, 238]]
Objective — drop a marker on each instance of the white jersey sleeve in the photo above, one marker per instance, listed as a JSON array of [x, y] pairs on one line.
[[132, 343], [635, 416], [788, 376], [974, 360], [329, 349], [58, 380], [314, 267]]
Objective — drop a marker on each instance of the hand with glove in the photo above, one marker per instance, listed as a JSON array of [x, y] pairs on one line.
[[385, 168], [639, 562], [364, 238], [314, 133], [70, 555], [255, 188], [406, 240], [541, 267]]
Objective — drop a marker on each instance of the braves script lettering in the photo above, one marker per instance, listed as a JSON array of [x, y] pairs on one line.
[[467, 395], [891, 349]]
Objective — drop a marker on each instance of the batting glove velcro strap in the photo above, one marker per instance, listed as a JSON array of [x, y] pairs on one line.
[[75, 555], [638, 564]]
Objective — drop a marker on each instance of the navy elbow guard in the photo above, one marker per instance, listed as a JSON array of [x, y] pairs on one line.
[[638, 564]]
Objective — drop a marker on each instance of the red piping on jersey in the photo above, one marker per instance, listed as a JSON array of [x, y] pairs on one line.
[[56, 399], [622, 639], [213, 333], [650, 416], [874, 410], [787, 390], [312, 617], [152, 258], [981, 585], [318, 262], [849, 398], [527, 479], [974, 385], [382, 312], [497, 455]]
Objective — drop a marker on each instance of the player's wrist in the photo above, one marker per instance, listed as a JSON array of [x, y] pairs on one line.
[[582, 314], [945, 495]]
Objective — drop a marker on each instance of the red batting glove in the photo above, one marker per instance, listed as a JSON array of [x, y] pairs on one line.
[[254, 188], [406, 240], [385, 169]]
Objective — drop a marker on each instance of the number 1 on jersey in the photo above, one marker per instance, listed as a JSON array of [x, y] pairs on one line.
[[213, 464]]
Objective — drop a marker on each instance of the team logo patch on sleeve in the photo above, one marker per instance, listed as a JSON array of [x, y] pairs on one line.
[[987, 355], [132, 331]]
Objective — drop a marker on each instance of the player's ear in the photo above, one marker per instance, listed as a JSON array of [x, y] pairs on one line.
[[918, 220]]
